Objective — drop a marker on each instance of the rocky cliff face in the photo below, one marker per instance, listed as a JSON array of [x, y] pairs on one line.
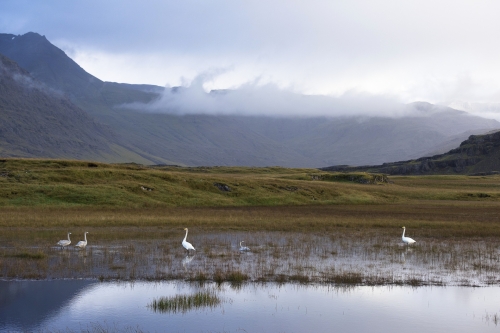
[[480, 154]]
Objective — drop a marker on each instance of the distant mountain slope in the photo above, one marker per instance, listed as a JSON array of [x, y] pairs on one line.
[[37, 121], [480, 154], [50, 65], [238, 140], [358, 140]]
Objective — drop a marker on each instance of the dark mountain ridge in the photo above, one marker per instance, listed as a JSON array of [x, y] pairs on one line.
[[193, 140], [480, 154]]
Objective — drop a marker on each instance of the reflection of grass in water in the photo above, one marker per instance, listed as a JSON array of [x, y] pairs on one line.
[[184, 303], [495, 318]]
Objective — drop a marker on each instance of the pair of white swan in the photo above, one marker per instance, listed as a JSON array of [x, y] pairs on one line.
[[80, 244]]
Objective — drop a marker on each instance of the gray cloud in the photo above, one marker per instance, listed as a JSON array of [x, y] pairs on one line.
[[381, 47], [268, 99]]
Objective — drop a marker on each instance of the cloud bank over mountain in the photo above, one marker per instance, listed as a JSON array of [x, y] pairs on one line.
[[256, 99]]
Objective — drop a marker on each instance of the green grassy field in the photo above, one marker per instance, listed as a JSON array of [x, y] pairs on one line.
[[63, 184], [58, 194]]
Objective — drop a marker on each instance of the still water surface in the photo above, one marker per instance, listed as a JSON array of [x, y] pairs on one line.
[[83, 305]]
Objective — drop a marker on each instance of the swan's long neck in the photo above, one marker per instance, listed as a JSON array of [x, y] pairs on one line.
[[403, 233], [185, 237], [85, 236], [68, 236]]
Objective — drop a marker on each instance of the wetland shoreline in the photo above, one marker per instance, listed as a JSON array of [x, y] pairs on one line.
[[337, 245]]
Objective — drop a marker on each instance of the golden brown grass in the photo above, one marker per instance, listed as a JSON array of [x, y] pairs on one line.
[[436, 218]]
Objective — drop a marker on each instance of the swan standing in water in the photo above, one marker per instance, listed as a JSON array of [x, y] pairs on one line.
[[186, 244], [64, 242], [244, 248], [407, 240], [83, 243]]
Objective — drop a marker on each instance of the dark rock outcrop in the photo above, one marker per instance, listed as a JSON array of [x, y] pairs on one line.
[[480, 154]]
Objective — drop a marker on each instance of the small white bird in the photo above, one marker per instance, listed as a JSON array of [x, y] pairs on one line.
[[244, 248], [186, 244], [64, 242], [83, 243], [407, 240]]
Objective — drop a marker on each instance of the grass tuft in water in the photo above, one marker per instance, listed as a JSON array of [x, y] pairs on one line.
[[304, 279], [346, 278], [30, 255], [234, 277], [200, 277], [184, 303]]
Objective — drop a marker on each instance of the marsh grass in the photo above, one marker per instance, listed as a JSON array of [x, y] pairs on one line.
[[200, 277], [234, 277], [30, 255], [349, 234], [345, 278], [184, 303], [304, 279]]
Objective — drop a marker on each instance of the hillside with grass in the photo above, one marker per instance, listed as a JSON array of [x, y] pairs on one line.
[[61, 183], [36, 120]]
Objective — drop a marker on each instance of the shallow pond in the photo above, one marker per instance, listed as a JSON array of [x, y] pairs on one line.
[[370, 257], [90, 306]]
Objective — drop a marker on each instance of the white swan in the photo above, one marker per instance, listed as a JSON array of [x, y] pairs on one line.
[[186, 244], [407, 240], [83, 243], [244, 248], [64, 242]]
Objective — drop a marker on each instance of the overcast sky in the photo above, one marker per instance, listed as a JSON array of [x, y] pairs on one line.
[[436, 51]]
